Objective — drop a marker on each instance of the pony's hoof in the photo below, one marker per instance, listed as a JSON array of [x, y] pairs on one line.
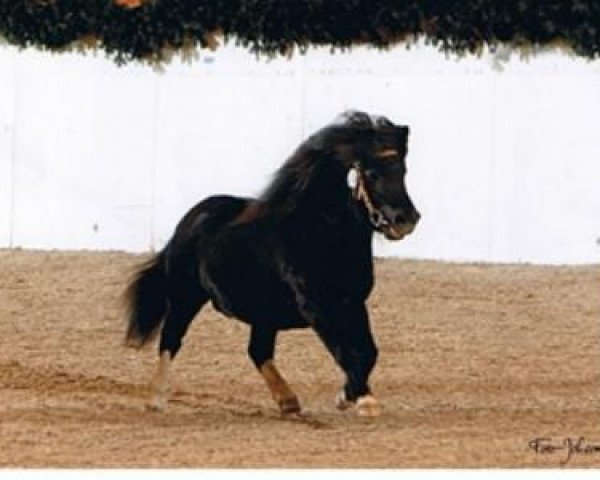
[[289, 405], [368, 406], [341, 403]]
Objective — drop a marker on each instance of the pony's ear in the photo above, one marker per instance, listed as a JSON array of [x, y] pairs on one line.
[[387, 129], [391, 136]]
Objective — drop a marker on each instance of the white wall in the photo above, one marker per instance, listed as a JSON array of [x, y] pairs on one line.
[[503, 164]]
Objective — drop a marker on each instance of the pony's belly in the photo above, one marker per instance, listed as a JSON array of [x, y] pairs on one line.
[[275, 313], [255, 299]]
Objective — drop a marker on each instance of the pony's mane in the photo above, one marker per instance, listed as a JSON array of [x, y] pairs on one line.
[[295, 176]]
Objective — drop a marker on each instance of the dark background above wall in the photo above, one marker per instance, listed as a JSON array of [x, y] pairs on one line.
[[152, 29]]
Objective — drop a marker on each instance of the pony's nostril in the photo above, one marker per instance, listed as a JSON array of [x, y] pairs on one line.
[[399, 219]]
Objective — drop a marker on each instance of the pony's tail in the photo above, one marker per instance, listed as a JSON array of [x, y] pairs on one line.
[[146, 301]]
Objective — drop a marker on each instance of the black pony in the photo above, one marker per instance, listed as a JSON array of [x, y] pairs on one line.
[[298, 256]]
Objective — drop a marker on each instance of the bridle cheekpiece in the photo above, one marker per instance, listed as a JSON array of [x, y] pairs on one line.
[[357, 184]]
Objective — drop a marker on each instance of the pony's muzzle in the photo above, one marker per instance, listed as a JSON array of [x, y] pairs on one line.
[[399, 223], [400, 216]]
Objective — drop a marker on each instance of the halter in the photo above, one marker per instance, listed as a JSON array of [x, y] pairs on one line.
[[356, 182]]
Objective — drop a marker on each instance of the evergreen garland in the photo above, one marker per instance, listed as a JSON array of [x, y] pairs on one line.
[[155, 28]]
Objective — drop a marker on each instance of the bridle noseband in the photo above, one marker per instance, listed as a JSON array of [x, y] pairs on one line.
[[357, 183]]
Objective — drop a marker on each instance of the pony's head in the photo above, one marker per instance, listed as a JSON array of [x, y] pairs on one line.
[[373, 150]]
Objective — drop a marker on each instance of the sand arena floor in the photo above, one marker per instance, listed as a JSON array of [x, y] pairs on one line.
[[475, 362]]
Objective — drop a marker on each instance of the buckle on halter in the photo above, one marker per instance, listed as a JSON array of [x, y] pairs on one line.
[[378, 219]]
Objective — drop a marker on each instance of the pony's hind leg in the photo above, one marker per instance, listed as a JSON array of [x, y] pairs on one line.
[[160, 382], [261, 349], [183, 304]]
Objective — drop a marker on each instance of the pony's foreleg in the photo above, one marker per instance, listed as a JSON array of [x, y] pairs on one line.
[[261, 349], [354, 350], [347, 335]]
